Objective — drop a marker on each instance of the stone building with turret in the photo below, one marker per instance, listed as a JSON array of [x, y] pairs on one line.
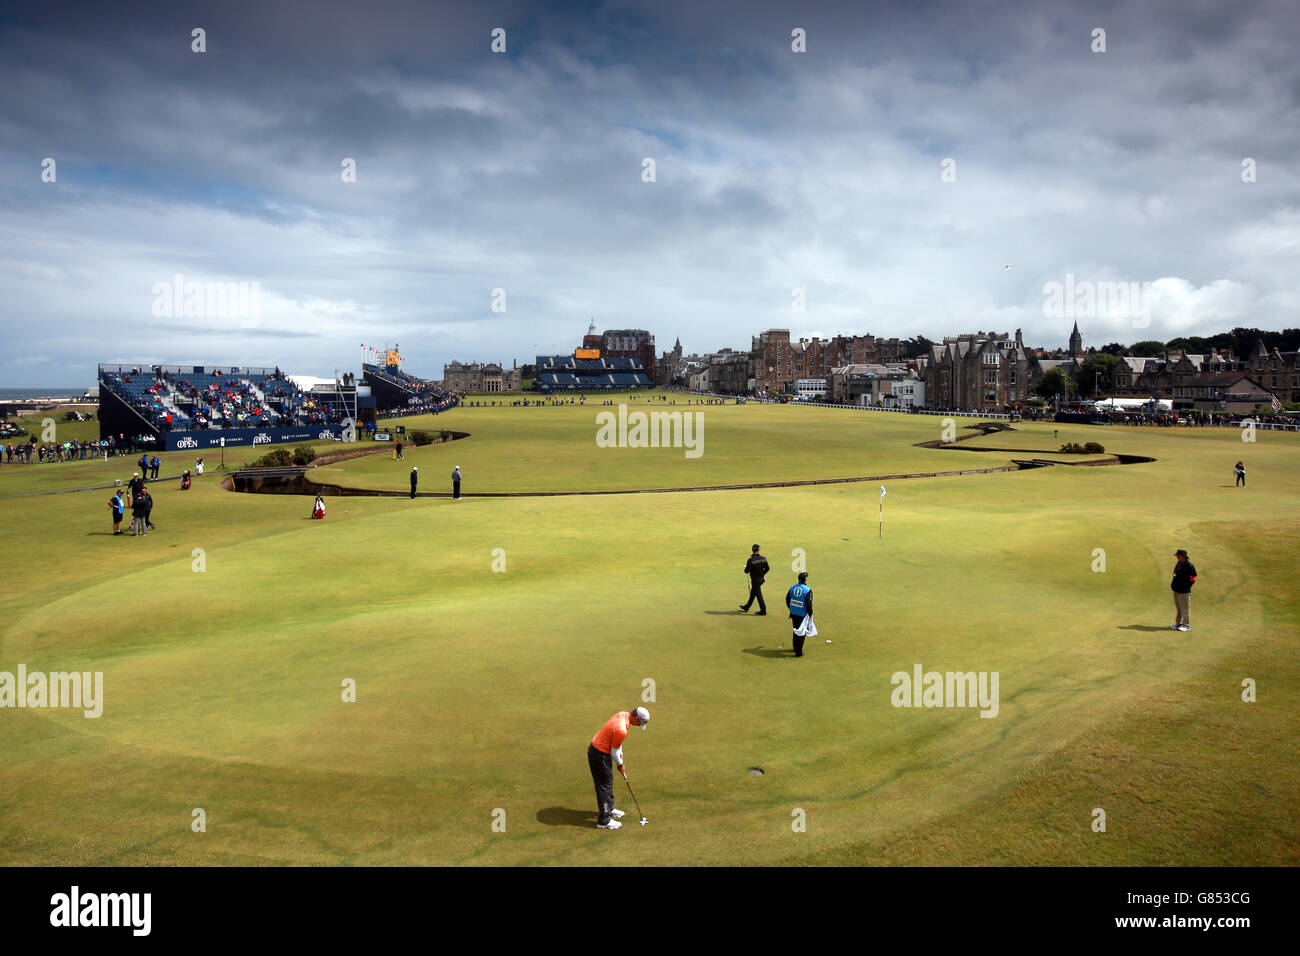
[[978, 370]]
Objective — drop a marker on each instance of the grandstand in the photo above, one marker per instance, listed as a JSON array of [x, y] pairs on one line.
[[198, 406], [393, 389], [569, 373]]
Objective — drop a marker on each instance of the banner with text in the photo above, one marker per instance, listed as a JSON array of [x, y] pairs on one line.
[[244, 437]]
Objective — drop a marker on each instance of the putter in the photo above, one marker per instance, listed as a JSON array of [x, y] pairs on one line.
[[644, 821]]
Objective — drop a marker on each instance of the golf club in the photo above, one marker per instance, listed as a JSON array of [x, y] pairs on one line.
[[644, 821]]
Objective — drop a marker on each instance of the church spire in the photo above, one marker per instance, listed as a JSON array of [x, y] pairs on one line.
[[1076, 340]]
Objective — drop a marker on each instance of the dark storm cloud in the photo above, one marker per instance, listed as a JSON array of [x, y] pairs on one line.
[[522, 171]]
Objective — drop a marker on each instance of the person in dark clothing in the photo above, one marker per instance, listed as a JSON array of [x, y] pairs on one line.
[[148, 509], [415, 477], [455, 483], [1239, 470], [1181, 585], [756, 567], [399, 449], [136, 485], [799, 601], [138, 515], [118, 507]]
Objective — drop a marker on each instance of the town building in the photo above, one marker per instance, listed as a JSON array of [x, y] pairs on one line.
[[462, 378], [978, 370], [776, 362], [1172, 374], [865, 384]]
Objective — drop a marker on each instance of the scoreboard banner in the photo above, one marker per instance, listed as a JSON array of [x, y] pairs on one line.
[[586, 353]]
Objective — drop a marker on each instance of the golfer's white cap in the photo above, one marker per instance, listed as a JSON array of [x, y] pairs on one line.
[[642, 715]]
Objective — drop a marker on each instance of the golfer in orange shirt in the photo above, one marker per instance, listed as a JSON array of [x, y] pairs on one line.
[[605, 749]]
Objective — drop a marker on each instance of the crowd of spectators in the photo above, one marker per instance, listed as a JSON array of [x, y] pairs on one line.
[[34, 452], [218, 399]]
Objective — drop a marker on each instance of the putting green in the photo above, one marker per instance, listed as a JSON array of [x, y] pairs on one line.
[[478, 689]]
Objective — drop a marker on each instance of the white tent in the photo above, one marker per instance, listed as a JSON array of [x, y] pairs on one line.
[[1134, 404]]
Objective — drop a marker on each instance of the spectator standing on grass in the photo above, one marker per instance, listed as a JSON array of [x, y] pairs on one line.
[[138, 513], [136, 485], [1239, 470], [398, 449], [799, 601], [1184, 578], [415, 478], [148, 509], [118, 508], [756, 567], [455, 484]]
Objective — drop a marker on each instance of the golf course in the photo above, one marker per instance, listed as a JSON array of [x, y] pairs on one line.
[[415, 682]]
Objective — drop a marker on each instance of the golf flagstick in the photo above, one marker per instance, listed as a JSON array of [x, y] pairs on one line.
[[881, 536]]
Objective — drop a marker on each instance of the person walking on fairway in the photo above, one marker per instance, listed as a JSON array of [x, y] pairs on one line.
[[455, 483], [1184, 578], [799, 600], [606, 749], [398, 449], [415, 478], [756, 567], [1240, 471]]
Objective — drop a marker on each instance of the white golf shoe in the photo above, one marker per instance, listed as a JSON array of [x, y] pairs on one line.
[[617, 814], [611, 825]]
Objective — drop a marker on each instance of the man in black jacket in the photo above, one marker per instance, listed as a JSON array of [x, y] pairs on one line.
[[138, 514], [1184, 578], [415, 479], [756, 567]]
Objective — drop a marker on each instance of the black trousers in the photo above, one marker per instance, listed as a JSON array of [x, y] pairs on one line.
[[795, 638], [1241, 480], [602, 775], [756, 592], [455, 489], [412, 491]]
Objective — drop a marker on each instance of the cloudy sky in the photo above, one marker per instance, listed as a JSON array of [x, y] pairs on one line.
[[891, 172]]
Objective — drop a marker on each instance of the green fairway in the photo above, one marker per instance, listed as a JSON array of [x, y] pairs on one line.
[[490, 638]]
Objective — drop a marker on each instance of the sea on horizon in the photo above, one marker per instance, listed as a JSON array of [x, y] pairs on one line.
[[10, 394]]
